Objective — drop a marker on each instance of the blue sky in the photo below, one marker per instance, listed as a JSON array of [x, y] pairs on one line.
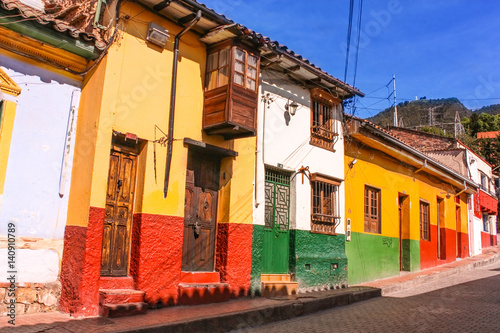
[[436, 48]]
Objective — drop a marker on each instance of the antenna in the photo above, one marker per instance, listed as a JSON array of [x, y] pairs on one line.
[[459, 128], [395, 105]]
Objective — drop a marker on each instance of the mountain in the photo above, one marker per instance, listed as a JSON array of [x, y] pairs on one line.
[[490, 109], [416, 114]]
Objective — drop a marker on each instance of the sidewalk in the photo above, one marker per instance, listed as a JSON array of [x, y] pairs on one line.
[[409, 280], [241, 313]]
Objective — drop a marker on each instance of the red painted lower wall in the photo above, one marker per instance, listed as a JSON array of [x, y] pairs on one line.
[[234, 256], [155, 261], [428, 249], [81, 266], [485, 239], [156, 256], [463, 242]]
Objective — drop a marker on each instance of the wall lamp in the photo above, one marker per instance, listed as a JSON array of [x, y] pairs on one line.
[[291, 107], [351, 164], [157, 35]]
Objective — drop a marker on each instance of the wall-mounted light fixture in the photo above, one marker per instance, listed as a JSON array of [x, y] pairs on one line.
[[351, 164], [291, 107], [157, 35]]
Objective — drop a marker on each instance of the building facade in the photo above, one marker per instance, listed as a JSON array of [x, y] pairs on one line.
[[404, 210], [39, 104], [299, 237]]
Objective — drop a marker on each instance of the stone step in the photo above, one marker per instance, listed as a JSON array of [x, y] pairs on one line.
[[203, 293], [120, 296], [199, 277], [275, 278], [116, 282], [279, 288], [122, 310]]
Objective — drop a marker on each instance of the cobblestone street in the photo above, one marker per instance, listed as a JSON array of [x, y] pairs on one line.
[[465, 302]]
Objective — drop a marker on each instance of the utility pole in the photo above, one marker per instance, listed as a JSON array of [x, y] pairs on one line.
[[395, 105]]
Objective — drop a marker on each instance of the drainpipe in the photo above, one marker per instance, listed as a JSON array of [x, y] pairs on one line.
[[170, 134]]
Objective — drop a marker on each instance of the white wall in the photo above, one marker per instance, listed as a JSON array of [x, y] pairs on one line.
[[31, 197], [286, 141]]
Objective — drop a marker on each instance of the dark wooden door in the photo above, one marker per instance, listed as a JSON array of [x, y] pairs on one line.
[[118, 216], [200, 212]]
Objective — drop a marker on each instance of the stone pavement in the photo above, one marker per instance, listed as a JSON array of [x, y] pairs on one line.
[[240, 313], [467, 302]]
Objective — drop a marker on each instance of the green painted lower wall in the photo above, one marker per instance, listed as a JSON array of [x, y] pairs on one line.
[[312, 257], [257, 248], [410, 255], [373, 257]]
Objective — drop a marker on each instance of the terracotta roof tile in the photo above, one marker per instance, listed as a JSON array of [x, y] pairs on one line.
[[72, 16]]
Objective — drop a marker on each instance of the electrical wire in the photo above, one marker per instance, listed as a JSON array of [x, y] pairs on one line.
[[357, 45], [349, 30]]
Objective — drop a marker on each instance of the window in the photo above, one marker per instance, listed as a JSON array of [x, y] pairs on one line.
[[325, 206], [324, 122], [244, 68], [485, 182], [372, 210], [1, 115], [486, 223], [218, 69], [424, 221]]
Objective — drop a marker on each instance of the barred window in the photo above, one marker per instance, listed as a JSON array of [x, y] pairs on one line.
[[325, 204], [324, 122], [372, 210], [424, 221]]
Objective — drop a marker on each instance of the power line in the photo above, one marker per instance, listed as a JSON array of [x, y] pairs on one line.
[[357, 44], [349, 30]]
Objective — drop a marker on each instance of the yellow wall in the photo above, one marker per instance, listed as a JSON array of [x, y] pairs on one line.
[[392, 177], [130, 92], [7, 126]]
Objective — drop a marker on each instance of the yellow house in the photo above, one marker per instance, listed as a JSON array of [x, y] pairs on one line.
[[404, 210], [160, 209]]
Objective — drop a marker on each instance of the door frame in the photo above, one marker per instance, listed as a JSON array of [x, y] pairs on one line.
[[272, 233], [122, 145], [404, 229]]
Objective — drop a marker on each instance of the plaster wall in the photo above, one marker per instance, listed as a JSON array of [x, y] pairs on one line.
[[32, 197], [373, 256], [284, 139]]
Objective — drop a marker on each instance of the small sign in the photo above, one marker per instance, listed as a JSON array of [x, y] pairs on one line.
[[348, 230]]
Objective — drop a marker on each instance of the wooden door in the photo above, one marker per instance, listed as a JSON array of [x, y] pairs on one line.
[[458, 227], [118, 215], [441, 236], [404, 233], [200, 212], [276, 231]]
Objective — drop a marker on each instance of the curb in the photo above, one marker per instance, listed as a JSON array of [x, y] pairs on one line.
[[304, 304], [419, 280]]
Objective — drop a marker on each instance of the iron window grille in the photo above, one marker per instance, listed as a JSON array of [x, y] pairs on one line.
[[325, 204], [325, 119]]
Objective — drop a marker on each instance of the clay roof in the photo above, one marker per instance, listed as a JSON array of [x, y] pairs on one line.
[[74, 17], [488, 135]]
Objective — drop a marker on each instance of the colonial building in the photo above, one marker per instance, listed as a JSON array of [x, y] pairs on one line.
[[39, 103], [456, 155], [405, 211], [299, 236]]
